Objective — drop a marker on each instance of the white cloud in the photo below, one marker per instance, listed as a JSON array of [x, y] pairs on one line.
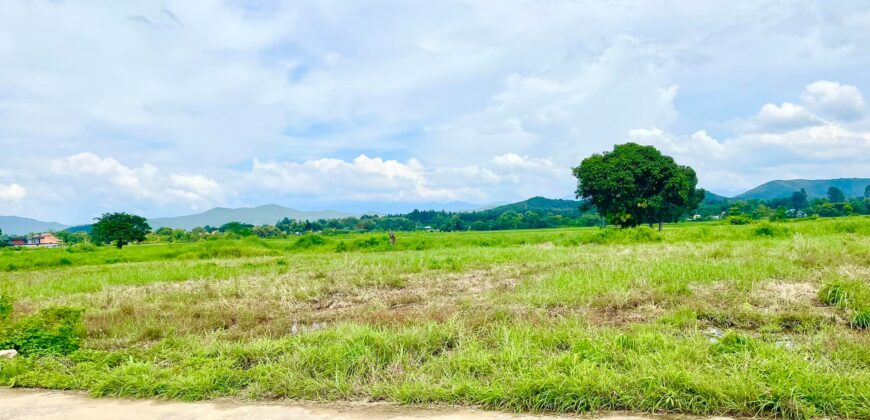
[[86, 181], [780, 142], [12, 193], [787, 116], [177, 97], [566, 110], [834, 100], [362, 179], [375, 179], [11, 197]]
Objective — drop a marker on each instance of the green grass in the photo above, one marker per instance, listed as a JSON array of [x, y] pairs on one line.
[[708, 319]]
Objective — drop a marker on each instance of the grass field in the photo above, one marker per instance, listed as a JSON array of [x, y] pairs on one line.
[[763, 319]]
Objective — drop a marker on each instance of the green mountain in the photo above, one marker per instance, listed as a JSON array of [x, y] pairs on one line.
[[710, 197], [815, 188], [262, 215], [541, 205], [14, 225]]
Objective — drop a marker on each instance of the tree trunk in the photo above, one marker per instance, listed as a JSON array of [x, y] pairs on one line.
[[119, 244], [660, 225]]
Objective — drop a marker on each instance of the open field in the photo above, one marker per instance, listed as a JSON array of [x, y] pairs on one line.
[[761, 319]]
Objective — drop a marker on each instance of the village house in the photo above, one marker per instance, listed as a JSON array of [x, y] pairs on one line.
[[46, 240]]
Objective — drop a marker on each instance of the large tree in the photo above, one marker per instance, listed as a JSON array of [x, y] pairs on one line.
[[835, 195], [799, 199], [635, 184], [120, 228]]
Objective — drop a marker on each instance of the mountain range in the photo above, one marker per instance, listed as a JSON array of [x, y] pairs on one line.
[[271, 213], [14, 225], [260, 215], [851, 187]]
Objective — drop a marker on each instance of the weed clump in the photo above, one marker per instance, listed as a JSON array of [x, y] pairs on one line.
[[853, 297], [833, 294], [770, 230], [739, 220], [861, 319], [5, 307], [622, 236], [309, 241], [52, 331], [733, 342]]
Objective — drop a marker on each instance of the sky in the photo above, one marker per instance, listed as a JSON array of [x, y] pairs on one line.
[[168, 107]]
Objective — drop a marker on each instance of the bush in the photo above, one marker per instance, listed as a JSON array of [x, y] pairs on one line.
[[739, 220], [771, 230], [628, 235], [5, 307], [309, 241], [51, 331]]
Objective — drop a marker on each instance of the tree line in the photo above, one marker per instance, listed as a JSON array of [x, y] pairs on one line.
[[629, 186]]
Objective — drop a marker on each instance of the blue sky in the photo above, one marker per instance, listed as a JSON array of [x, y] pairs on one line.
[[171, 107]]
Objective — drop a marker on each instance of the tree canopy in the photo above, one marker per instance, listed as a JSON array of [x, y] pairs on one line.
[[120, 229], [835, 195], [635, 184], [799, 199]]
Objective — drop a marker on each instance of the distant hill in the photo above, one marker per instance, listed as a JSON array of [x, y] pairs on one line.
[[14, 225], [710, 197], [541, 205], [81, 228], [262, 215], [852, 187]]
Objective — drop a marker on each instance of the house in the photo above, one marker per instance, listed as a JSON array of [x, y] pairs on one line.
[[46, 240]]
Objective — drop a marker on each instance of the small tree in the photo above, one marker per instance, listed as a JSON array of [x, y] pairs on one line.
[[867, 192], [120, 228]]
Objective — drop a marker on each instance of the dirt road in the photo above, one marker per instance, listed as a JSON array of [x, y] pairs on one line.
[[29, 404]]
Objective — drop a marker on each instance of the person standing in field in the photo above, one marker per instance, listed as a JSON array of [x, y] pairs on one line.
[[392, 238]]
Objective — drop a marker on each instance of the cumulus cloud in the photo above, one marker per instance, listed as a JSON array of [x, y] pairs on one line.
[[784, 141], [834, 100], [787, 116], [11, 197], [86, 181], [12, 193], [375, 179], [560, 110], [364, 178], [180, 96]]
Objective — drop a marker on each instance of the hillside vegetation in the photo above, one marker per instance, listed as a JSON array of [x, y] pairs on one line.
[[763, 319], [815, 188]]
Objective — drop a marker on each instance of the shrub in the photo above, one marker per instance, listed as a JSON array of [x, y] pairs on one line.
[[309, 241], [371, 242], [629, 235], [82, 247], [739, 220], [5, 307], [51, 331], [771, 230]]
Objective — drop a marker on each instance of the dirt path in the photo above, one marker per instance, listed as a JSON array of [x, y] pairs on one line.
[[30, 404]]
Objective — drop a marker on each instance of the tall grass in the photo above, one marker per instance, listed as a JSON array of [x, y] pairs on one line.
[[747, 320]]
